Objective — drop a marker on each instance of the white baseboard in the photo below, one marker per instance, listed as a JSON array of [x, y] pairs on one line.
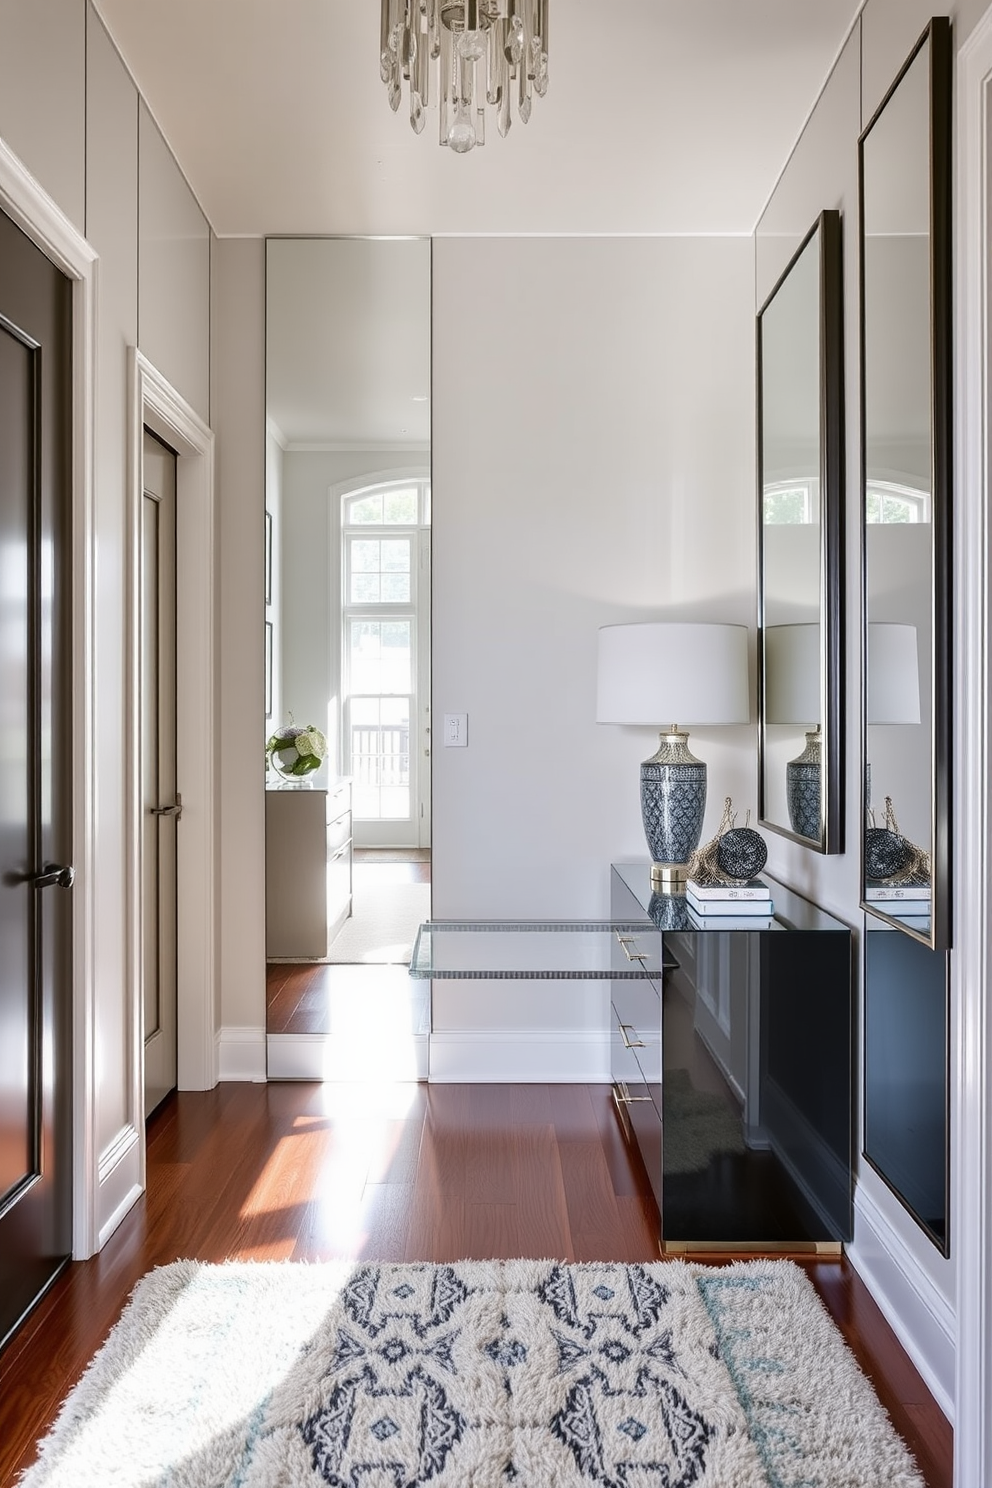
[[496, 1056], [919, 1314], [119, 1181], [127, 1202], [241, 1054], [321, 1056]]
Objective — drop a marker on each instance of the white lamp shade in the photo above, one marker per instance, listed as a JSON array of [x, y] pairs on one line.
[[663, 673], [792, 674], [893, 673]]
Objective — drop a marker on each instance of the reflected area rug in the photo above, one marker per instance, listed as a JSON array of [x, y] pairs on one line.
[[699, 1125], [474, 1375], [383, 925]]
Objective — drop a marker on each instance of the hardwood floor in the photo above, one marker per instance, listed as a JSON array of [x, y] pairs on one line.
[[404, 1172], [313, 997]]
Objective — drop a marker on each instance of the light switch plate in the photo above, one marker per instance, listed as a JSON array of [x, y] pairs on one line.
[[455, 730]]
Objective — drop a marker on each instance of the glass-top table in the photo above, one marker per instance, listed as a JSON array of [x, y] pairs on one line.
[[567, 950], [559, 950]]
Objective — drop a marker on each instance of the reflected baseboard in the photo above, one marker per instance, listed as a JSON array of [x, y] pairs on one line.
[[341, 1058]]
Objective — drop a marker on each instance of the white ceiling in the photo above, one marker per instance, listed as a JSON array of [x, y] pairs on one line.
[[662, 116]]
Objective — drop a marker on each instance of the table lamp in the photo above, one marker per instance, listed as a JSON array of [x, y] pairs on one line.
[[656, 670], [792, 696]]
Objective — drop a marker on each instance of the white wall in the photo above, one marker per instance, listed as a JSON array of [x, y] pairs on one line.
[[69, 110], [112, 216], [239, 425], [592, 463], [43, 95], [174, 264]]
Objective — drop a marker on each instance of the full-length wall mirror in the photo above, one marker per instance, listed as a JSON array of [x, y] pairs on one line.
[[904, 171], [347, 600], [801, 497]]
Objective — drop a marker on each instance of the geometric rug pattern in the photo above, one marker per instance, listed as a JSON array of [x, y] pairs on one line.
[[478, 1374]]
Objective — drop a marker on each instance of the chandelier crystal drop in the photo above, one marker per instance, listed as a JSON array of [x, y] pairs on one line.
[[489, 52]]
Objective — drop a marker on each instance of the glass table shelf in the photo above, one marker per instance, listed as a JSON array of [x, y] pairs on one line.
[[526, 950]]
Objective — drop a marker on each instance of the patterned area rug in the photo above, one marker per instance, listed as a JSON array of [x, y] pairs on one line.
[[474, 1375]]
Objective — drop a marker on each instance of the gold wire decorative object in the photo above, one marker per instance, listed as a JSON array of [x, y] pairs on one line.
[[915, 870], [704, 867]]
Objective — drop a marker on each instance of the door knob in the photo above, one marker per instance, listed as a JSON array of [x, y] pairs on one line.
[[52, 873], [175, 810]]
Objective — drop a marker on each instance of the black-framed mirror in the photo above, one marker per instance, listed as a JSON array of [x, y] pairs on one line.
[[904, 160], [800, 512]]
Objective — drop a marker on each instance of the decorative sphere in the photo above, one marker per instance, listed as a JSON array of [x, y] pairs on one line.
[[741, 853], [886, 852], [295, 752]]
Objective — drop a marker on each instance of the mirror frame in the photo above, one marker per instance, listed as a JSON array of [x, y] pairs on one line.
[[827, 230], [936, 35]]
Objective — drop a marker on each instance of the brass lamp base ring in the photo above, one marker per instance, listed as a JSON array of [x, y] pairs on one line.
[[671, 875]]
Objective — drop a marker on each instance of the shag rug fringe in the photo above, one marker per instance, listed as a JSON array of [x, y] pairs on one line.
[[479, 1374]]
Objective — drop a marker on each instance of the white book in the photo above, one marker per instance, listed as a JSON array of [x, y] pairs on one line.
[[716, 908], [730, 921], [911, 921], [879, 893], [735, 893], [904, 908]]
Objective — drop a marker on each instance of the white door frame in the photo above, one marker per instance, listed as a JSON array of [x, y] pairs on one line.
[[43, 221], [971, 961], [421, 732], [155, 404]]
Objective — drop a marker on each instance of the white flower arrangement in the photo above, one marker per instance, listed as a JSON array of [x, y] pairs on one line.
[[294, 752]]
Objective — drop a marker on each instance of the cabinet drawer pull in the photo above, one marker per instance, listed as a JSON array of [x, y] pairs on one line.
[[630, 1043], [625, 1098], [625, 942]]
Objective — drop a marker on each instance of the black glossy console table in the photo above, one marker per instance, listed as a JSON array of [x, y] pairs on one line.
[[733, 1070]]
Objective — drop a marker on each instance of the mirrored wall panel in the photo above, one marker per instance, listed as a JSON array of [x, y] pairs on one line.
[[346, 585], [800, 486], [906, 370], [906, 1122]]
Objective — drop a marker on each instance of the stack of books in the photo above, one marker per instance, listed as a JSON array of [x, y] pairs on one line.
[[910, 902], [730, 906]]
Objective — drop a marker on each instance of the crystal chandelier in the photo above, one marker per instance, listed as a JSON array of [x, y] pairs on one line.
[[488, 51]]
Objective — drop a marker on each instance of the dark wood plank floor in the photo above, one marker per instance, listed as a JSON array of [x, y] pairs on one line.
[[407, 1172]]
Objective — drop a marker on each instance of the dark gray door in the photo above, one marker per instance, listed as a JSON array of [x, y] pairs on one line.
[[35, 766]]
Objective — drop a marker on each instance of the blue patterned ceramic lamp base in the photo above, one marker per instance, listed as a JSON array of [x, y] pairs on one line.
[[673, 800], [803, 790]]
